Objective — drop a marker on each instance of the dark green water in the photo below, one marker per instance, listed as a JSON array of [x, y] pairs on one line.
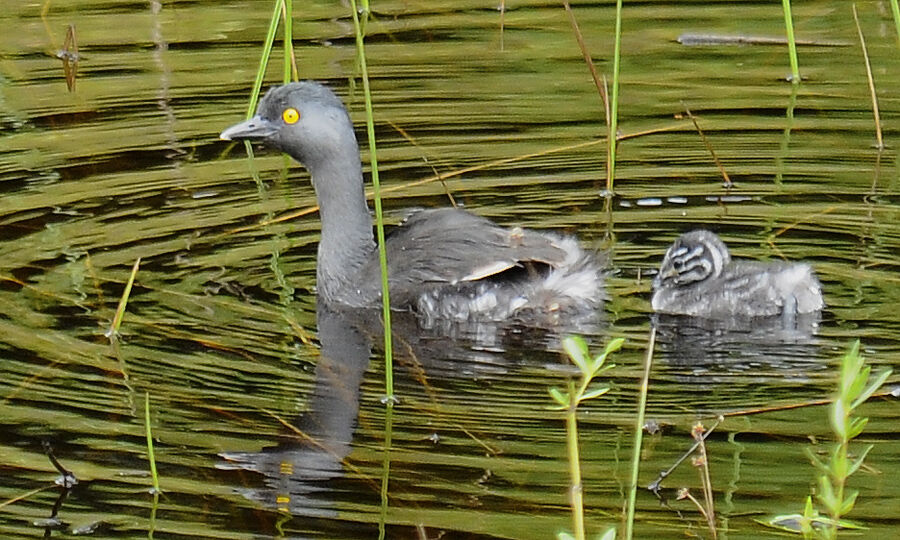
[[221, 328]]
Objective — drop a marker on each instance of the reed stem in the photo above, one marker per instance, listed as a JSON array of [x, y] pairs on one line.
[[263, 63], [792, 44], [875, 111], [287, 13], [123, 302], [895, 9], [379, 221], [576, 490], [614, 105], [639, 435], [150, 454]]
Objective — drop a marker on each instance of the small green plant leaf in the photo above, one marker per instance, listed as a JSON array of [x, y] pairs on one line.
[[839, 418], [809, 514], [593, 393], [854, 349], [613, 346], [564, 536], [857, 385], [849, 370], [816, 461], [123, 302], [837, 466], [564, 400], [872, 388], [859, 461], [577, 350], [857, 425], [610, 534], [826, 495], [848, 503], [604, 369]]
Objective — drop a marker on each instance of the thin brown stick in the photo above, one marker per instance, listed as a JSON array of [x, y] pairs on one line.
[[703, 463], [728, 183], [587, 56], [657, 484], [862, 41], [685, 493], [412, 141], [600, 84]]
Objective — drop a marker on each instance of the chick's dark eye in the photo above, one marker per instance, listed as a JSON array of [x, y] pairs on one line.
[[290, 115]]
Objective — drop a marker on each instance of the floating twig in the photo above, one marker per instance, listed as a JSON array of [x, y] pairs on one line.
[[69, 56]]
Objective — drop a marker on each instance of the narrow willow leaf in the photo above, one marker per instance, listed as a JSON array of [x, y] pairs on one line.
[[577, 350], [564, 400], [859, 461], [809, 514], [856, 387], [838, 465], [604, 369], [872, 388], [848, 503], [610, 534], [857, 425], [123, 301], [826, 495], [594, 393], [839, 418], [816, 461], [613, 346], [850, 366]]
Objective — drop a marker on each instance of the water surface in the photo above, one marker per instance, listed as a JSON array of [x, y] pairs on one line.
[[222, 329]]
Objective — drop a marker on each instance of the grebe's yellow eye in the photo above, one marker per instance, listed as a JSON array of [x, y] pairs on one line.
[[290, 115]]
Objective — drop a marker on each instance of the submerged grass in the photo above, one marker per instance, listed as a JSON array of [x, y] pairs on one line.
[[614, 104], [150, 455]]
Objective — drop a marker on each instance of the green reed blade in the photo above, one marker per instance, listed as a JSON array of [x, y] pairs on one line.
[[792, 44], [376, 185], [123, 302]]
